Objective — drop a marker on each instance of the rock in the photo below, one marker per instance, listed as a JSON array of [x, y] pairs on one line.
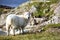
[[2, 32], [57, 11]]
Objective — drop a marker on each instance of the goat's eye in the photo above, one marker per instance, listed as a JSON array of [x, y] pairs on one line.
[[28, 17]]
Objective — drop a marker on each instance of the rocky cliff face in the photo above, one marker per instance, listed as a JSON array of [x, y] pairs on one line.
[[55, 19], [55, 16], [25, 7], [3, 13]]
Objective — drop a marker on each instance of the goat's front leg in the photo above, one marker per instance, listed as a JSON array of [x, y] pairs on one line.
[[22, 30]]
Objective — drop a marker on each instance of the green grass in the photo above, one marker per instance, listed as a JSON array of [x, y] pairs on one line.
[[51, 26], [44, 35], [37, 36]]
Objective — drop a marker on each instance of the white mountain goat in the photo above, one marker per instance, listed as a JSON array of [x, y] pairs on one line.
[[16, 22]]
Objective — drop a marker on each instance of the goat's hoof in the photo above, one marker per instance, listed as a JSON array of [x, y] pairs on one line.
[[13, 35]]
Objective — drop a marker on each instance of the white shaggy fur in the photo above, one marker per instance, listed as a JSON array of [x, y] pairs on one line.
[[16, 22]]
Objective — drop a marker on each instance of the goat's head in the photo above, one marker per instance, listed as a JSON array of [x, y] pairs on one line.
[[27, 15]]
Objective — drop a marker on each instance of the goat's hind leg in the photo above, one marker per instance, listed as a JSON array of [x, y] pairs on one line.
[[20, 31], [8, 29], [13, 29]]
